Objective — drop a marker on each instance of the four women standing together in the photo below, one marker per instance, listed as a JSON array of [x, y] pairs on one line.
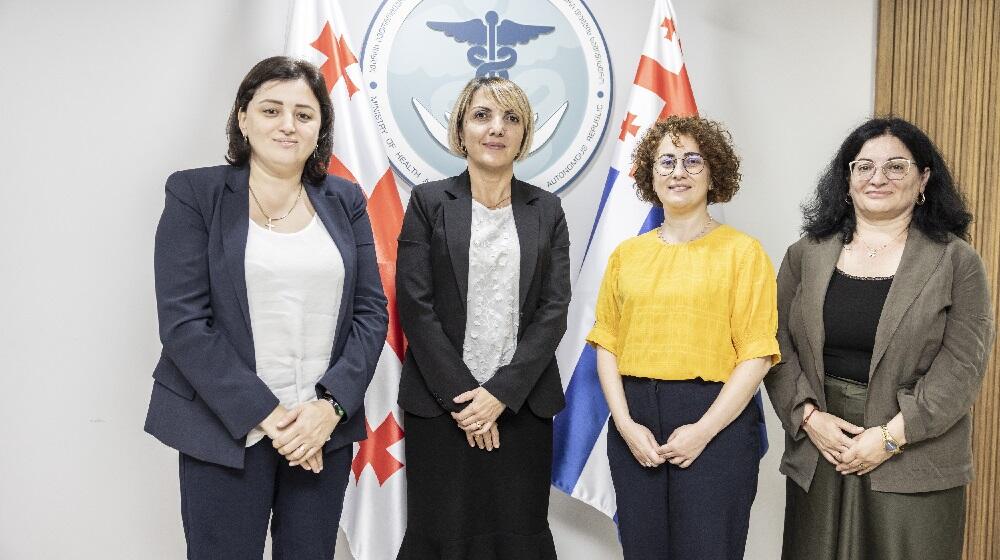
[[272, 318]]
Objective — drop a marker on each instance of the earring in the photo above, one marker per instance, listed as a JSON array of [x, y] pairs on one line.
[[847, 200], [246, 139], [922, 198]]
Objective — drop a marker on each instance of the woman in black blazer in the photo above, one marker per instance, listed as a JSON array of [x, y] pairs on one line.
[[483, 289], [272, 319]]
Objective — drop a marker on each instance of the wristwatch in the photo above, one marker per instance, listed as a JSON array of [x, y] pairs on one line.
[[889, 443], [337, 409]]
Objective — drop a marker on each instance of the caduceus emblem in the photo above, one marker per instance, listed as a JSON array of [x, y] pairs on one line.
[[492, 54]]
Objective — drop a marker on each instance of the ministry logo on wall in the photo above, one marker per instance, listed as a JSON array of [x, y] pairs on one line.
[[419, 54]]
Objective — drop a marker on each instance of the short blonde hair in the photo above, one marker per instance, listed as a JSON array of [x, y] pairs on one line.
[[504, 93]]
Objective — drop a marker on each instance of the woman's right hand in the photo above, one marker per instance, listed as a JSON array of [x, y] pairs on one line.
[[829, 433], [640, 442], [270, 424]]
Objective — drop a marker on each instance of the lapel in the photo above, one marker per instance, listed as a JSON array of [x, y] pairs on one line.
[[331, 213], [235, 224], [921, 257], [817, 268], [458, 229], [526, 220]]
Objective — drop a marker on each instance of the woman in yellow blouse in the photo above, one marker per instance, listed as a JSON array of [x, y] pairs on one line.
[[685, 331]]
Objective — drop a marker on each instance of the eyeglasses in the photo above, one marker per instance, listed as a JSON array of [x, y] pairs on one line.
[[692, 162], [893, 169]]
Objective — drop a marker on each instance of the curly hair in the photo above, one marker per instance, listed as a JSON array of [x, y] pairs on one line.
[[715, 144], [284, 69], [944, 210]]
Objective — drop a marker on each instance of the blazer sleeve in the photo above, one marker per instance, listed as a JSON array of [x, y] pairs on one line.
[[351, 373], [512, 383], [949, 388], [786, 383], [439, 363], [203, 354]]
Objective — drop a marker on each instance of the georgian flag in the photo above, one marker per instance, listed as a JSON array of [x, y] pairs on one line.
[[660, 89], [374, 516]]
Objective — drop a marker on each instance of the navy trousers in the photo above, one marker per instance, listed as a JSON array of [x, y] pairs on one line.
[[226, 510], [698, 513]]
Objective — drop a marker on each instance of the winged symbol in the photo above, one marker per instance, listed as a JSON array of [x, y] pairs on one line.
[[492, 52]]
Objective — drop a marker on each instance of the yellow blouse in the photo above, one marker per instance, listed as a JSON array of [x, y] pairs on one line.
[[687, 310]]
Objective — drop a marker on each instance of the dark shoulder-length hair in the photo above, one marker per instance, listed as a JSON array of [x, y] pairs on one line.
[[943, 211], [284, 69]]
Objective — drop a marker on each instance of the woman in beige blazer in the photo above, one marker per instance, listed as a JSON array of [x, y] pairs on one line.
[[885, 329]]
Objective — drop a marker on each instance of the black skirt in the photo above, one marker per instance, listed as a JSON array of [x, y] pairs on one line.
[[465, 503]]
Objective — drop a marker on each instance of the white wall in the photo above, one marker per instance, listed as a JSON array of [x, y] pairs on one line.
[[101, 101]]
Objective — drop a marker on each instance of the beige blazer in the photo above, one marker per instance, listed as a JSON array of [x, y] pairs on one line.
[[931, 348]]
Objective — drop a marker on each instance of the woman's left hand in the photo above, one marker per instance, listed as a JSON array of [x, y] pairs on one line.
[[865, 454], [313, 464], [685, 444], [480, 414], [305, 429]]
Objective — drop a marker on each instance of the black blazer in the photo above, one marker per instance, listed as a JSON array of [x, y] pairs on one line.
[[206, 394], [432, 274]]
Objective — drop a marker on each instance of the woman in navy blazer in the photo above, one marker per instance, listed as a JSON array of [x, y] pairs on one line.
[[211, 393]]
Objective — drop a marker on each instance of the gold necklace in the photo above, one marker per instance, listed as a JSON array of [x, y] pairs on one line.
[[499, 202], [495, 205], [270, 221], [704, 230], [872, 252]]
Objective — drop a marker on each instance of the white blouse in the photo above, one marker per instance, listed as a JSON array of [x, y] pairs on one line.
[[492, 307], [294, 286]]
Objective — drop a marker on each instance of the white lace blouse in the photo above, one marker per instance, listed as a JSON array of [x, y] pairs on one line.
[[492, 306]]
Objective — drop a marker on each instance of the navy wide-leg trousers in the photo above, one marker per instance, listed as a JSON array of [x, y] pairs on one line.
[[226, 510], [698, 513]]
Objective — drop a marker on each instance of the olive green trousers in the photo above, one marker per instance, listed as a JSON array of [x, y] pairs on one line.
[[842, 518]]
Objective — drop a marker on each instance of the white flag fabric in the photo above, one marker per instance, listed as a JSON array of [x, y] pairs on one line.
[[374, 516], [660, 88]]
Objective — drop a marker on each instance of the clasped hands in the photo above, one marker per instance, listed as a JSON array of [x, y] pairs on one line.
[[479, 418], [299, 434], [681, 449], [851, 449]]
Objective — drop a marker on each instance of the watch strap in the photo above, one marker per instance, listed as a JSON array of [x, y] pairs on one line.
[[889, 443], [337, 409]]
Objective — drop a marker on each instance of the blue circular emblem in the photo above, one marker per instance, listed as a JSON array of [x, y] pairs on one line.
[[419, 54]]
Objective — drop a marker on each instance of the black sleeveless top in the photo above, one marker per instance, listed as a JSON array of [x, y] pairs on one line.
[[851, 313]]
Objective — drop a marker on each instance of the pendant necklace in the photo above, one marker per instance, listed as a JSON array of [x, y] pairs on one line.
[[270, 221], [872, 252]]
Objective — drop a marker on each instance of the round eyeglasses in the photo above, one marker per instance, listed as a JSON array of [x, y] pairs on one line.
[[692, 162], [893, 169]]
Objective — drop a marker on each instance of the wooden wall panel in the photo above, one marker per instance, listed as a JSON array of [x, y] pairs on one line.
[[938, 65]]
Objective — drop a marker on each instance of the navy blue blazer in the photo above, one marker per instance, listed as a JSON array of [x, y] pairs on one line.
[[206, 394], [432, 276]]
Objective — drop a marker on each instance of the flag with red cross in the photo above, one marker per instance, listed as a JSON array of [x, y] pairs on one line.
[[374, 514]]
